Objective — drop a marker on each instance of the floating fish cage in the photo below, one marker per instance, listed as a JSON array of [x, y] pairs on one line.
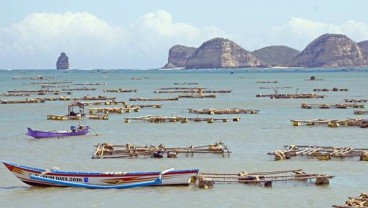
[[320, 152], [359, 122], [330, 106], [360, 201], [106, 151], [207, 180], [175, 119]]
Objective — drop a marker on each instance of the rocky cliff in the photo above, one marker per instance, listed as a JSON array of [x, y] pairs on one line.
[[330, 50], [276, 55], [363, 45], [62, 62], [222, 53], [178, 56]]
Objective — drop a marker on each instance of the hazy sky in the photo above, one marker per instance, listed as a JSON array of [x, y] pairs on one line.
[[139, 33]]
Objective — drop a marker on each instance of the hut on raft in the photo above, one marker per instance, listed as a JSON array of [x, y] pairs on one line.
[[76, 108]]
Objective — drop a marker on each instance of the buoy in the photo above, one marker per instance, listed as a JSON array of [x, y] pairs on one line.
[[322, 180], [236, 119], [296, 123], [323, 157], [171, 154], [268, 184], [364, 156], [205, 183], [333, 124]]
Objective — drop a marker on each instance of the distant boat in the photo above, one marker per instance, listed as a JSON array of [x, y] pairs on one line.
[[74, 131], [99, 180]]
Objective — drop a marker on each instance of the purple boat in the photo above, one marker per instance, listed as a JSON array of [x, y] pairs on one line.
[[74, 131]]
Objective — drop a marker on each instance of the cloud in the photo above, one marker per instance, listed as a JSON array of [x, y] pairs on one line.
[[158, 29], [44, 32], [91, 42], [298, 32]]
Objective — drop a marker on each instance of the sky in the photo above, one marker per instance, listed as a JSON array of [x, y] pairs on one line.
[[137, 34]]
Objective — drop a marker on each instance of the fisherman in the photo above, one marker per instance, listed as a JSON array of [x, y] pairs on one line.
[[73, 128]]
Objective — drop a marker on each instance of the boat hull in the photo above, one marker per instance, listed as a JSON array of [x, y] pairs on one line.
[[24, 173], [50, 134]]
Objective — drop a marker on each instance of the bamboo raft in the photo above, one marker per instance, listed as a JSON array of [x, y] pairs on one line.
[[320, 152], [77, 117], [26, 101], [362, 123], [181, 88], [356, 100], [335, 89], [39, 92], [264, 82], [99, 117], [206, 180], [185, 83], [192, 91], [361, 112], [197, 96], [154, 99], [328, 106], [15, 94], [112, 102], [79, 89], [34, 77], [103, 83], [108, 110], [174, 119], [108, 151], [292, 96], [121, 103], [51, 83], [121, 90], [65, 98], [275, 88], [360, 201], [223, 111]]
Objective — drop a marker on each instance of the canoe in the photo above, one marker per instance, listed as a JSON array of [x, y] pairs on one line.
[[74, 131], [38, 177]]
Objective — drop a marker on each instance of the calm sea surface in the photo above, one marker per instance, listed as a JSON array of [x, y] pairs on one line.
[[249, 139]]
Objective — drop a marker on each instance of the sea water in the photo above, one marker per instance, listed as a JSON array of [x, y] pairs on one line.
[[250, 139]]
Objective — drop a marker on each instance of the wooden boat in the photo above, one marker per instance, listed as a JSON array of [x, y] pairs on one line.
[[57, 178], [74, 131]]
